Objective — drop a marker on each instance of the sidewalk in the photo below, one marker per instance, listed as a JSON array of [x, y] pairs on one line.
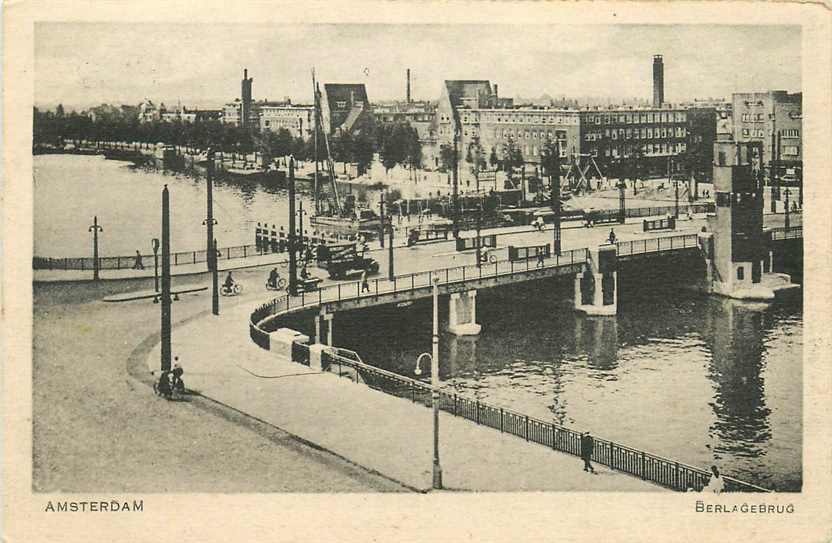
[[379, 432], [426, 256]]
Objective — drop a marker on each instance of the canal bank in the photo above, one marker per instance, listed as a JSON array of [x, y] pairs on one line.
[[382, 433], [700, 379]]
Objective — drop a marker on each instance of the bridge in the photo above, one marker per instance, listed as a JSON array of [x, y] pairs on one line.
[[459, 283], [589, 267]]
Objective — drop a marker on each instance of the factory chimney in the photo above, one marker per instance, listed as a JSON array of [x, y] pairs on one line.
[[245, 109], [408, 85], [658, 81]]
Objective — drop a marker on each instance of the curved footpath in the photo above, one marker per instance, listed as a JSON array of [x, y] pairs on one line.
[[96, 429], [384, 434]]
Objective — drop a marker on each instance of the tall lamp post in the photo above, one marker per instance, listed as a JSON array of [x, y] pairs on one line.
[[301, 243], [95, 229], [293, 269], [786, 224], [165, 297], [434, 383], [390, 267], [155, 244], [209, 221]]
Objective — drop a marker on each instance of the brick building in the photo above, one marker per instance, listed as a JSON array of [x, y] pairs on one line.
[[615, 136], [345, 107], [773, 118]]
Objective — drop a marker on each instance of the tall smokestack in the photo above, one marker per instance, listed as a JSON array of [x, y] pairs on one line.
[[245, 109], [408, 85], [658, 81]]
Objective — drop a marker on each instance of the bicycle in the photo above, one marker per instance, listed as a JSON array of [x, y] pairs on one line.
[[234, 290]]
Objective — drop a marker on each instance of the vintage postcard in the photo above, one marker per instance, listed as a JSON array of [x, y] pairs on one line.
[[378, 271]]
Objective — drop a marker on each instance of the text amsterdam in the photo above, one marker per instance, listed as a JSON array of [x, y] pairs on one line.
[[764, 508], [112, 506]]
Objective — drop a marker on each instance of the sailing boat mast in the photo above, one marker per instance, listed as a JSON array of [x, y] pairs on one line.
[[315, 136], [331, 167]]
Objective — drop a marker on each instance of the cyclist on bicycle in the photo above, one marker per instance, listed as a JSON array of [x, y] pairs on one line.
[[273, 276], [229, 282]]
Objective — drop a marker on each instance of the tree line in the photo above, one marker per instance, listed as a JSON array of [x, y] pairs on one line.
[[396, 144]]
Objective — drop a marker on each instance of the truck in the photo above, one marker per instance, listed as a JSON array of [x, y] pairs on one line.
[[343, 259]]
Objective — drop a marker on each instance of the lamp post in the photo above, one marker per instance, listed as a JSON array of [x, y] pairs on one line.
[[381, 215], [434, 382], [390, 266], [95, 229], [293, 270], [301, 244], [787, 211], [211, 261], [165, 296], [155, 244]]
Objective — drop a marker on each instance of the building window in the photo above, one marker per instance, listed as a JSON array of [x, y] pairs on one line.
[[791, 150], [758, 117], [745, 132], [790, 133], [740, 273]]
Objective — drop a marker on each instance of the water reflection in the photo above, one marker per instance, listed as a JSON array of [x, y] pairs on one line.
[[735, 331], [686, 376]]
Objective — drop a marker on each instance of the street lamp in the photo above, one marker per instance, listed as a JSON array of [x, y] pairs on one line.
[[434, 384], [155, 244], [95, 229], [787, 211]]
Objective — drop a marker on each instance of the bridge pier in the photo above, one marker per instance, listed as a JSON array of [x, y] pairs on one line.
[[596, 289], [737, 250], [462, 314], [328, 317], [317, 337]]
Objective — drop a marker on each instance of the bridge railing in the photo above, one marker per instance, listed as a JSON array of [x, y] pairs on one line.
[[657, 245], [354, 290], [787, 233], [649, 467]]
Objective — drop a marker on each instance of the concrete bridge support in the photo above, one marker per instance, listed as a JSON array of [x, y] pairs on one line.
[[462, 314], [328, 317], [596, 288]]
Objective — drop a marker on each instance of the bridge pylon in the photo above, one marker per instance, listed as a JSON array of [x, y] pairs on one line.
[[462, 314], [596, 288], [736, 248]]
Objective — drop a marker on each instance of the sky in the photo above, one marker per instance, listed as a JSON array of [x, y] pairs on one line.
[[84, 64]]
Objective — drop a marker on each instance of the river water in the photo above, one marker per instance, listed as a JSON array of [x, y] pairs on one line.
[[700, 380], [71, 189], [697, 379]]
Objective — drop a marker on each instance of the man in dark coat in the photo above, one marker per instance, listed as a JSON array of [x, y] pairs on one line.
[[587, 444]]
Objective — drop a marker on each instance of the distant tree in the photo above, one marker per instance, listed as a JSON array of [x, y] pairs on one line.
[[494, 160], [447, 157], [476, 157]]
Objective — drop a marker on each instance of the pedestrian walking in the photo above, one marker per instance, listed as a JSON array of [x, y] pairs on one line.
[[716, 484], [612, 237], [587, 444], [138, 265], [365, 285], [540, 258]]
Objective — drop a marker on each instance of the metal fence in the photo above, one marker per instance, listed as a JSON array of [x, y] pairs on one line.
[[657, 245], [662, 471], [129, 262], [353, 290], [794, 232], [649, 467]]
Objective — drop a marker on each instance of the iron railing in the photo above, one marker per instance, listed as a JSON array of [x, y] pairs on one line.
[[352, 290], [662, 471], [793, 232], [657, 245], [656, 469]]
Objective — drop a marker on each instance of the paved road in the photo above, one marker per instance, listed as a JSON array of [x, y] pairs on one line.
[[384, 433], [96, 429]]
